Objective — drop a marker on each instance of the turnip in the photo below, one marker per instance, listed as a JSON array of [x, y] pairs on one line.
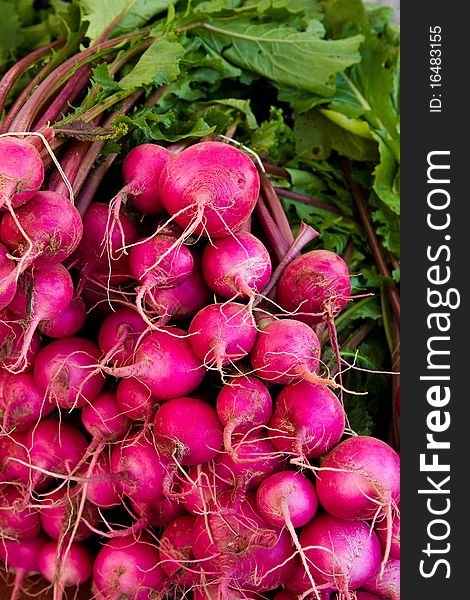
[[242, 405], [7, 278], [53, 229], [139, 469], [12, 342], [127, 568], [210, 188], [239, 549], [41, 294], [341, 554], [237, 265], [17, 521], [287, 350], [222, 334], [188, 431], [314, 286], [65, 371], [308, 420], [118, 335], [360, 479], [21, 402], [68, 323], [386, 585], [176, 556], [23, 558], [165, 362], [158, 262]]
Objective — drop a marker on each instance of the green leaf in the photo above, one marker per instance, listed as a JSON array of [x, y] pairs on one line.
[[158, 65], [10, 31], [135, 13], [281, 53], [387, 178]]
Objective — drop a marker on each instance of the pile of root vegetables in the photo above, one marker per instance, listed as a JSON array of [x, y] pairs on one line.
[[168, 429], [173, 388]]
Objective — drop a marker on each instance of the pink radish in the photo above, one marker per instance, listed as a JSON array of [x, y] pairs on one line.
[[316, 285], [308, 420], [41, 294], [65, 567], [387, 585], [134, 399], [285, 351], [22, 172], [127, 567], [139, 469], [103, 419], [66, 372], [21, 403], [12, 341], [67, 323], [17, 521], [210, 188], [176, 556], [118, 335], [13, 448], [188, 430], [222, 334], [237, 265], [200, 488], [101, 488], [165, 362], [157, 514], [53, 229], [360, 479], [381, 529], [341, 554], [242, 405], [23, 558]]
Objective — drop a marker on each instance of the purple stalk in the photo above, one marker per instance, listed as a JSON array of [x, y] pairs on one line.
[[275, 207], [307, 200], [276, 239]]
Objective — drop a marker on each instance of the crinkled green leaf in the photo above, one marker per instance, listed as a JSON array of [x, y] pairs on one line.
[[282, 54], [158, 65], [10, 31]]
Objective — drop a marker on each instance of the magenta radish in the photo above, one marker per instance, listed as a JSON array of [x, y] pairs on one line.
[[239, 549], [158, 262], [13, 449], [101, 487], [184, 300], [134, 399], [22, 172], [68, 323], [100, 254], [308, 420], [139, 469], [176, 556], [210, 188], [212, 592], [200, 488], [127, 567], [314, 286], [53, 446], [254, 459], [21, 403], [386, 585], [12, 341], [188, 430], [23, 558], [360, 479], [165, 362], [17, 521], [118, 335], [237, 265], [104, 420], [67, 566], [221, 334], [341, 554], [289, 499], [7, 278], [158, 514], [59, 512], [285, 351], [242, 405], [41, 294], [53, 229], [141, 171], [65, 371]]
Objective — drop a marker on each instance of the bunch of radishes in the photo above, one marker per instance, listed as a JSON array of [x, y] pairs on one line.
[[167, 429]]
